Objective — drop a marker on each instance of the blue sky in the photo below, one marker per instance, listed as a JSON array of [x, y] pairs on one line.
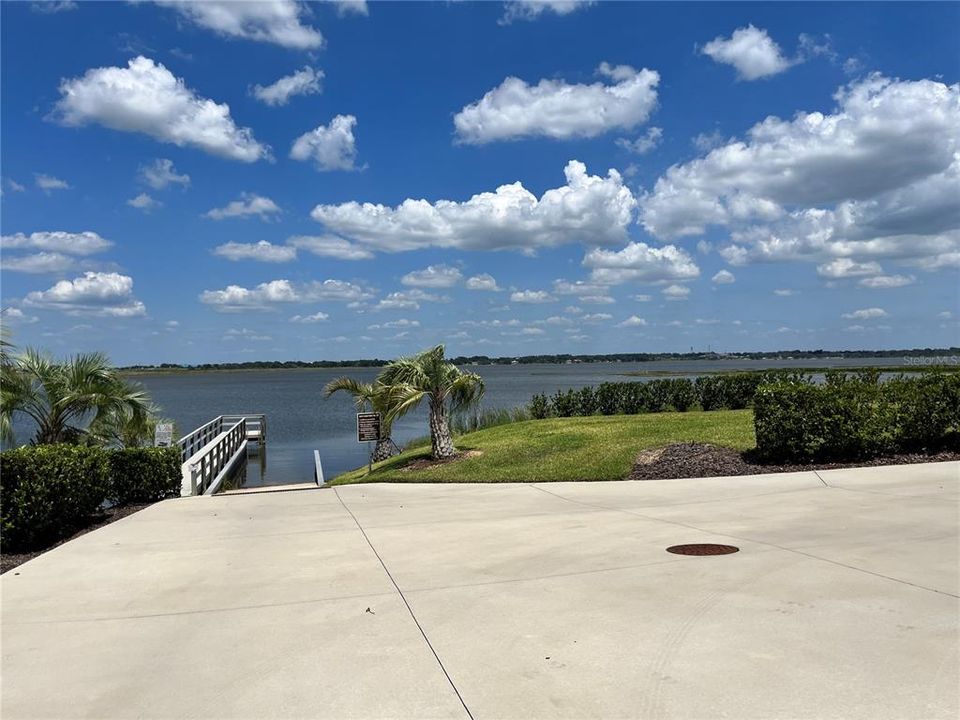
[[218, 182]]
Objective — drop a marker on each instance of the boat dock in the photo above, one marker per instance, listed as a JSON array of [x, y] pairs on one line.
[[213, 452]]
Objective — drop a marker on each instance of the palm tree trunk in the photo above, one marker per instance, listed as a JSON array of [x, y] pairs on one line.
[[384, 449], [440, 439]]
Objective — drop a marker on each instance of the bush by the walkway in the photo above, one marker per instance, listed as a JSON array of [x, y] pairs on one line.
[[143, 475], [49, 491], [852, 418], [733, 391]]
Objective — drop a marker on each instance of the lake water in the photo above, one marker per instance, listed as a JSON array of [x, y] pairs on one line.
[[300, 420]]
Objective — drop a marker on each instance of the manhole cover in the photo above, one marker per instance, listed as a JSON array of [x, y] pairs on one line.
[[702, 549]]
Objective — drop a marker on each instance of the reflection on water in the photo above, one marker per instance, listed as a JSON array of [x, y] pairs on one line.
[[252, 473]]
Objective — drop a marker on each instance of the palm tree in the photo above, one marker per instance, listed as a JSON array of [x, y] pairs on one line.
[[8, 383], [431, 376], [60, 396], [124, 428], [375, 397]]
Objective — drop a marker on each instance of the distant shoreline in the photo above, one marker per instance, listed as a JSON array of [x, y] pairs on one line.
[[912, 360]]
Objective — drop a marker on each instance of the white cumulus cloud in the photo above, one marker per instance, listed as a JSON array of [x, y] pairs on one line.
[[351, 7], [532, 9], [875, 179], [633, 321], [751, 51], [144, 202], [95, 293], [556, 109], [433, 276], [43, 262], [307, 319], [640, 262], [265, 296], [532, 296], [847, 268], [329, 246], [676, 292], [162, 173], [48, 183], [724, 277], [408, 300], [643, 144], [261, 251], [274, 21], [52, 7], [331, 147], [145, 97], [248, 205], [70, 243], [589, 209], [884, 282], [305, 81], [483, 281], [866, 314]]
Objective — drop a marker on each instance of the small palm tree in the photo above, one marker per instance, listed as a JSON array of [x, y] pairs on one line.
[[8, 383], [372, 396], [62, 398], [124, 428], [431, 376]]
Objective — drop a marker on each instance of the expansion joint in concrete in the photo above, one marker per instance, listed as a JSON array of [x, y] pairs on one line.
[[406, 603]]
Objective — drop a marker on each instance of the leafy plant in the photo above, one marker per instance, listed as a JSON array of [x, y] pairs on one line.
[[375, 397], [851, 417], [539, 407], [63, 399], [430, 376], [49, 491], [144, 475]]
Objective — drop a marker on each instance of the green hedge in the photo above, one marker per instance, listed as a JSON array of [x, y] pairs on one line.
[[711, 392], [143, 475], [48, 492], [858, 417]]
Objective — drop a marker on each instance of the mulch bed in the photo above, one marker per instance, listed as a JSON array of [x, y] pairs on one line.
[[697, 460], [8, 561], [427, 463]]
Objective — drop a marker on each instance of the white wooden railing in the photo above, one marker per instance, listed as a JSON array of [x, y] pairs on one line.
[[191, 444], [204, 472], [256, 425]]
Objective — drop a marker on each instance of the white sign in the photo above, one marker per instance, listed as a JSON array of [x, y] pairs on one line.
[[163, 436]]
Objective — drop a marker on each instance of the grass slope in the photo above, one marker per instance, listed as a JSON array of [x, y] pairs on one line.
[[582, 448]]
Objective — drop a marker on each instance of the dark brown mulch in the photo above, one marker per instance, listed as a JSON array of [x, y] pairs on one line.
[[8, 561], [427, 463], [696, 460]]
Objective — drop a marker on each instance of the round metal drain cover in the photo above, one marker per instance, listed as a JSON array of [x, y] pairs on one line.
[[702, 549]]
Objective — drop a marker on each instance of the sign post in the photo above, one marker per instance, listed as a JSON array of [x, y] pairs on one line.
[[163, 435], [368, 430]]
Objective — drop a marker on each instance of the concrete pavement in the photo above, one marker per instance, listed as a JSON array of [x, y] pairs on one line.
[[504, 601]]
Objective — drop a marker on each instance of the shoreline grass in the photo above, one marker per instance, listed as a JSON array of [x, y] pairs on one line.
[[563, 449]]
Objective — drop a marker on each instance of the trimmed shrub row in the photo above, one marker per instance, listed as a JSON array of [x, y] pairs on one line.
[[853, 418], [143, 475], [47, 492], [711, 392]]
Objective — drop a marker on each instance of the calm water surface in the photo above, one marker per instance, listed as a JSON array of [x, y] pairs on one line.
[[300, 420]]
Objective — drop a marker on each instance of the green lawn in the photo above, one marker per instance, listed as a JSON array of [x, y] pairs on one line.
[[583, 448]]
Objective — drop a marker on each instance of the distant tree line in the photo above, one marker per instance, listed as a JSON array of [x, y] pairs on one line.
[[565, 358]]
